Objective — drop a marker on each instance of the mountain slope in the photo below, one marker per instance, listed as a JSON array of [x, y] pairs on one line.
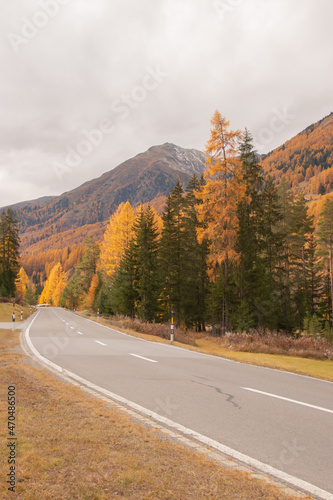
[[141, 179], [306, 160]]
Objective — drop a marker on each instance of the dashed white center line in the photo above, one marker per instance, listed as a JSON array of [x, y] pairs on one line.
[[146, 359], [98, 342], [289, 400], [80, 333]]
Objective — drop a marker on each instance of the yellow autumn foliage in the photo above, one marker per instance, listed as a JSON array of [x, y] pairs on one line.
[[21, 283], [221, 194], [91, 295], [54, 286], [116, 238]]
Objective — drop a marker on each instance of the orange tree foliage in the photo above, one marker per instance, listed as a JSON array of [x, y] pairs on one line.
[[305, 157], [21, 283], [42, 241], [54, 286], [116, 238], [91, 295], [317, 205], [221, 194], [39, 266]]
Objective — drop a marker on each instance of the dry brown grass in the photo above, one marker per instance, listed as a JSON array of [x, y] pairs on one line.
[[276, 343], [158, 330], [73, 446]]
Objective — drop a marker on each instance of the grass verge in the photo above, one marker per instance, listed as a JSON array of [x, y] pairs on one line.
[[73, 446], [322, 369], [318, 368]]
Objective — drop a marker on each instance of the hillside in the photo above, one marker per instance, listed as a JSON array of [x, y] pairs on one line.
[[63, 220], [306, 160]]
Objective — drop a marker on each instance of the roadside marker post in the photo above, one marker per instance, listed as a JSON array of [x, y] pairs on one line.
[[98, 315], [172, 329], [13, 317], [21, 315]]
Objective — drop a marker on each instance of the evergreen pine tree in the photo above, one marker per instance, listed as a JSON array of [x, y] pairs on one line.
[[268, 305], [325, 240], [284, 228], [9, 252], [250, 268], [136, 285], [124, 294], [314, 273], [171, 253], [301, 231], [194, 262], [88, 265], [147, 282]]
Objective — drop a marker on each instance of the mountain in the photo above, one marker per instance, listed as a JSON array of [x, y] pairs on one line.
[[51, 222], [29, 203], [306, 160]]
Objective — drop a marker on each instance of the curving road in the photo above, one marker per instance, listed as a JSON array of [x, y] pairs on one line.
[[276, 418]]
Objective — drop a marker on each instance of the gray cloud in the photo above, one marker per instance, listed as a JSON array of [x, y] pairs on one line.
[[154, 72]]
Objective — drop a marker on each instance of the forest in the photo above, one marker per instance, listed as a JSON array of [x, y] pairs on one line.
[[233, 250]]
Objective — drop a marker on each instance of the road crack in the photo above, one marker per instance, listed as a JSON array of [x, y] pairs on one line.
[[230, 398]]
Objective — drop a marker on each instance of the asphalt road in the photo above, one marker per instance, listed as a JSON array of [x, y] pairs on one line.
[[280, 419]]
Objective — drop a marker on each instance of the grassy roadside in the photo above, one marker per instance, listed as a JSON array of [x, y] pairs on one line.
[[322, 369], [73, 446], [6, 312]]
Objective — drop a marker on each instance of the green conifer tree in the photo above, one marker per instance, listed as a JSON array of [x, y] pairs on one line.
[[9, 252], [301, 230], [325, 239], [147, 281], [251, 270], [171, 253], [194, 261]]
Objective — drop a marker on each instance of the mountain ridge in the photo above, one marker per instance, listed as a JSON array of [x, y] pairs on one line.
[[141, 179]]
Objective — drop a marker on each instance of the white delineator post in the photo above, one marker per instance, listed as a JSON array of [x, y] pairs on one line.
[[172, 329]]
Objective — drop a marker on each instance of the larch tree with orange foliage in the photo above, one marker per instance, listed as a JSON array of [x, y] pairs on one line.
[[91, 295], [117, 236], [220, 197], [221, 194], [54, 286], [21, 283]]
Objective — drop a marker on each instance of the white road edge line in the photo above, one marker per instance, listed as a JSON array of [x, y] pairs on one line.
[[146, 359], [251, 462], [288, 399], [98, 342]]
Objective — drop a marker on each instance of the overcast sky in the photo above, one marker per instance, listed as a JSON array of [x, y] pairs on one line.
[[87, 84]]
